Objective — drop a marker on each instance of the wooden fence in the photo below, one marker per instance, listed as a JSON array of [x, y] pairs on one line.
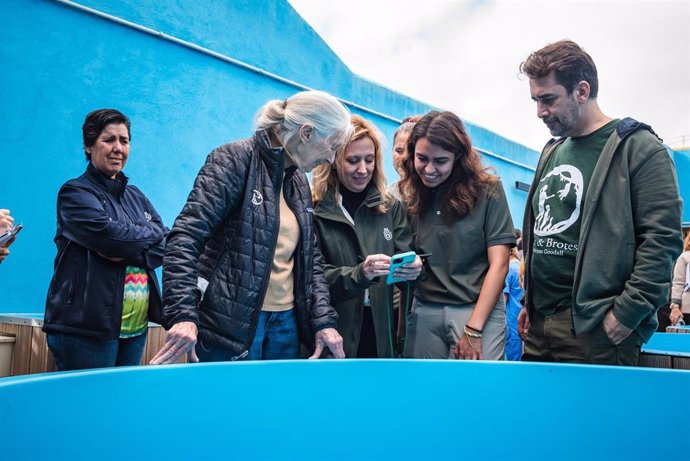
[[31, 354]]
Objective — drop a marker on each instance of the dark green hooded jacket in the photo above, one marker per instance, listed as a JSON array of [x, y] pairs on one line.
[[345, 247], [630, 234]]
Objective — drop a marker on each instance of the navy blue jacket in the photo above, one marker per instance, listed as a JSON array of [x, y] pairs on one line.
[[98, 216]]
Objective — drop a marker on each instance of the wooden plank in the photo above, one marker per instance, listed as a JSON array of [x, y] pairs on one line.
[[50, 362], [151, 348], [655, 361], [681, 363], [12, 330], [22, 349], [40, 354], [7, 348]]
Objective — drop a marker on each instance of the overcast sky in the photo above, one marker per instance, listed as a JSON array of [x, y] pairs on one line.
[[463, 55]]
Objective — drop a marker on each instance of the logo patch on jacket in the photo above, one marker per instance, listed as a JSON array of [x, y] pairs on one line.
[[387, 234], [257, 198], [147, 215]]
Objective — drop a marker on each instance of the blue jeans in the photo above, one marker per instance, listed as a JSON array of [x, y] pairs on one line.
[[74, 352], [276, 337]]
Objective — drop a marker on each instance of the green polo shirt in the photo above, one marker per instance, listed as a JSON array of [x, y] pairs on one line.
[[557, 206], [459, 261]]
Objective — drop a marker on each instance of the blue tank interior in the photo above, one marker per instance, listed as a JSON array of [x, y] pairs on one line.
[[350, 409]]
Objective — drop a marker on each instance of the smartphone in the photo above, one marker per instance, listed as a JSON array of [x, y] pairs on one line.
[[397, 261], [7, 236]]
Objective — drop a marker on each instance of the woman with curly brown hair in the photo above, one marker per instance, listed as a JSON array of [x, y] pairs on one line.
[[458, 213]]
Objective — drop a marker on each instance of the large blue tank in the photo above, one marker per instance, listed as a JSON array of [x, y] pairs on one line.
[[347, 410]]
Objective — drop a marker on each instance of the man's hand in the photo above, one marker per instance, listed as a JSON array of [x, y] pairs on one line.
[[615, 330], [331, 338], [180, 340], [523, 323]]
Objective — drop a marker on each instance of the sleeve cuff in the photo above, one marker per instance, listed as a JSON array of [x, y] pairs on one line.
[[510, 241]]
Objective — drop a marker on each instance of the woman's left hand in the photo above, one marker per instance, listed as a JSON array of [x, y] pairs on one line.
[[410, 271], [469, 349], [329, 337]]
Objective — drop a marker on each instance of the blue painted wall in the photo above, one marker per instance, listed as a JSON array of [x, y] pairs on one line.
[[59, 63], [682, 159]]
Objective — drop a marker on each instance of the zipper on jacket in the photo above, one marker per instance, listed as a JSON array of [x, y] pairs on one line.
[[267, 279], [586, 219], [238, 357]]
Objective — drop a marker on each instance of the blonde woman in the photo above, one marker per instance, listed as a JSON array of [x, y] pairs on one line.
[[360, 226]]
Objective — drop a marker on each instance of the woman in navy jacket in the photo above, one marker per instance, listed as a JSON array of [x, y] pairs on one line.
[[109, 240]]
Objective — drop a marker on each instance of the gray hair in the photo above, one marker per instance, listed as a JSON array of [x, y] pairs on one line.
[[324, 112]]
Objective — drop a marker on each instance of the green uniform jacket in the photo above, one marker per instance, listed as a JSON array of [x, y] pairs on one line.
[[630, 233], [344, 249]]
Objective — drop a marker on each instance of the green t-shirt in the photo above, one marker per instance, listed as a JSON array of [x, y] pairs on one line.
[[459, 260], [557, 207]]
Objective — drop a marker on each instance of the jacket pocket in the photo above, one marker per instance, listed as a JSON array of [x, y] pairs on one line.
[[61, 292]]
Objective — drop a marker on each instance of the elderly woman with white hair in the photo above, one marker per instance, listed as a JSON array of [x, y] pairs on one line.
[[242, 274]]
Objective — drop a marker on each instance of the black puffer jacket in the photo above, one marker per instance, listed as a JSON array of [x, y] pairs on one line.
[[226, 234]]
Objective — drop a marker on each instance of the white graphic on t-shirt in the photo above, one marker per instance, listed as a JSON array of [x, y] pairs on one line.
[[569, 178]]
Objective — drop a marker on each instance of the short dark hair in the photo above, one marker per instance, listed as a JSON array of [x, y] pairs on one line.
[[97, 120], [570, 63]]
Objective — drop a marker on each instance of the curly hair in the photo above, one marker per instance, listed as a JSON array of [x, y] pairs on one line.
[[468, 180]]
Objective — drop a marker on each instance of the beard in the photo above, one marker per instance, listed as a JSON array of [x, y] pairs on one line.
[[562, 125]]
